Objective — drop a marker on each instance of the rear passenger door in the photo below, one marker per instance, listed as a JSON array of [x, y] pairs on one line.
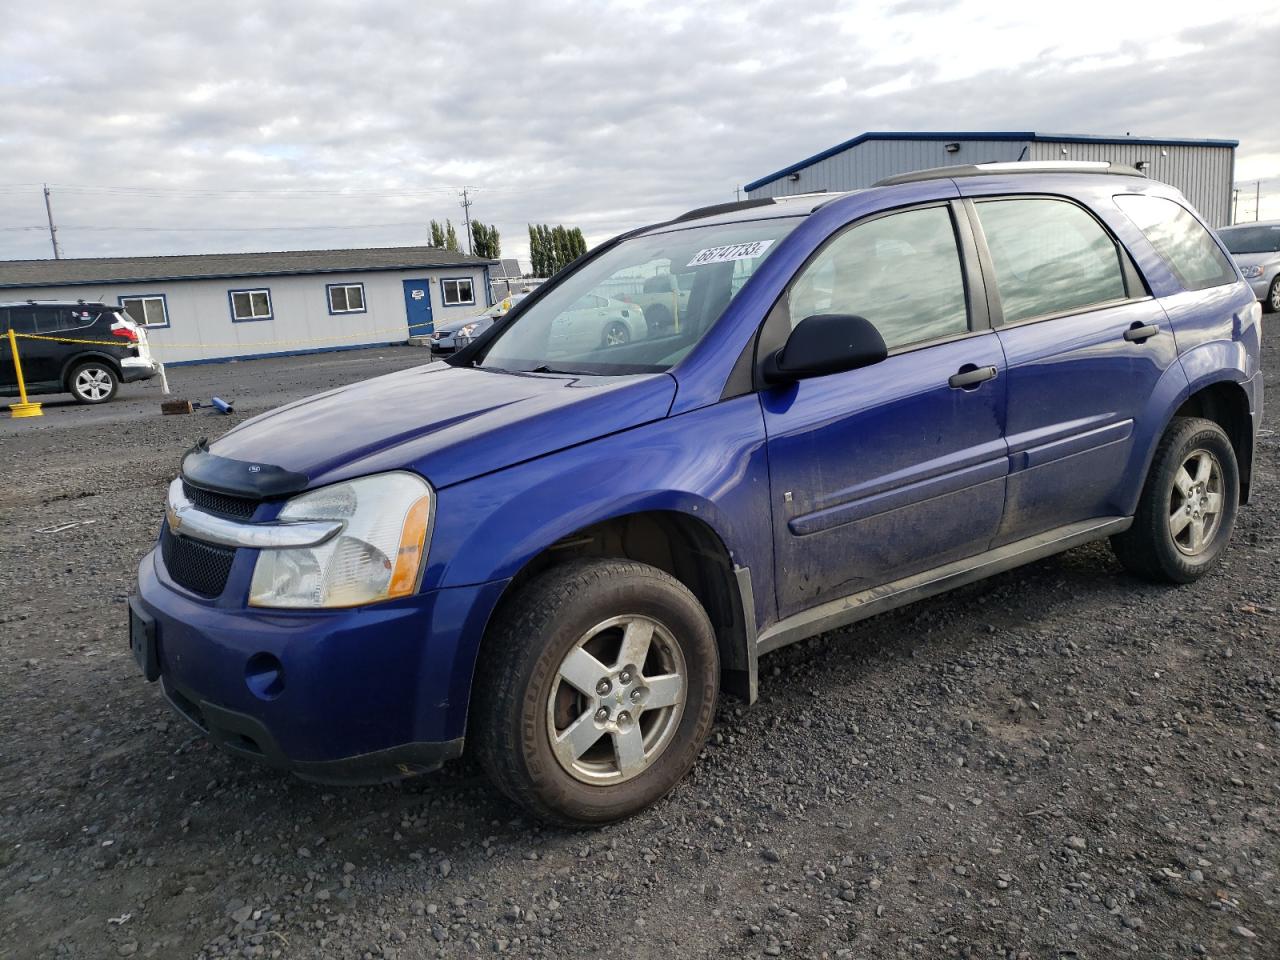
[[1084, 344], [41, 359], [898, 467]]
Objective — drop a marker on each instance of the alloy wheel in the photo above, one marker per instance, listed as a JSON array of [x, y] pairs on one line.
[[616, 700], [1275, 295], [1195, 504], [93, 383]]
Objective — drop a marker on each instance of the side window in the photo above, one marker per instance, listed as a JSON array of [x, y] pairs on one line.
[[23, 319], [1050, 257], [1185, 246], [51, 320], [901, 272]]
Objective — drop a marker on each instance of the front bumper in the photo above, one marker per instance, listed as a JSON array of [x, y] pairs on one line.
[[359, 695], [1261, 286]]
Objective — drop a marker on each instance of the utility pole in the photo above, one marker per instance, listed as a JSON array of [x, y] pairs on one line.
[[1257, 198], [1235, 203], [466, 213], [737, 193], [53, 231]]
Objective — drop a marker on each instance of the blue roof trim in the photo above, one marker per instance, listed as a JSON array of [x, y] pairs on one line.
[[1027, 135], [324, 271]]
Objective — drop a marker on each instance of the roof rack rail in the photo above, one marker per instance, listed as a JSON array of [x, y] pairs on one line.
[[1016, 166], [718, 208]]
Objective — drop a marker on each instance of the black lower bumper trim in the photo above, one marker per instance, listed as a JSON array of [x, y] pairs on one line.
[[246, 736]]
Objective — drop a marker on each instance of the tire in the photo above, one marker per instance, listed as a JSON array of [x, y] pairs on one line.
[[1272, 303], [615, 334], [93, 382], [1150, 548], [658, 318], [566, 621]]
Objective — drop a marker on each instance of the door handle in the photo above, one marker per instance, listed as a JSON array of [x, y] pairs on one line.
[[1140, 332], [970, 376]]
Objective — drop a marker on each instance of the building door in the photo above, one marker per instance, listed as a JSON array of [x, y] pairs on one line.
[[417, 307]]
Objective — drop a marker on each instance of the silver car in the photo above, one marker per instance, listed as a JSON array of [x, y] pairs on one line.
[[456, 334], [1256, 247]]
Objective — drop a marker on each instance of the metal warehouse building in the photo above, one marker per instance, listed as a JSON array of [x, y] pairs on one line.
[[224, 306], [1202, 169]]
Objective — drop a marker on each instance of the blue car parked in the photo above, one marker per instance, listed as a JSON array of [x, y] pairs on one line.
[[563, 551]]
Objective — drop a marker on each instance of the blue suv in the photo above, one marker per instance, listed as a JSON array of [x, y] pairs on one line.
[[564, 549]]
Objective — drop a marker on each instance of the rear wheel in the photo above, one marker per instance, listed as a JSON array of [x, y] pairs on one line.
[[596, 692], [659, 319], [93, 382], [1188, 506]]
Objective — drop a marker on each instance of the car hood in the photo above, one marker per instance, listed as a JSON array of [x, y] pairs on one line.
[[448, 423], [1257, 259]]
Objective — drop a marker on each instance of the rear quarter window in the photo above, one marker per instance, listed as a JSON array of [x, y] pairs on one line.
[[1187, 247]]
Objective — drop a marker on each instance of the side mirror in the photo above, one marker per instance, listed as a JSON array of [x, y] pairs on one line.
[[823, 344]]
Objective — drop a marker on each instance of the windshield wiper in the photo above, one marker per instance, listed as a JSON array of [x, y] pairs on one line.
[[543, 368]]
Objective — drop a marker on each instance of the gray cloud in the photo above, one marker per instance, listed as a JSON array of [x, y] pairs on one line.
[[602, 116]]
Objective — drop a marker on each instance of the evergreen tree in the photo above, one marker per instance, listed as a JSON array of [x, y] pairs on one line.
[[437, 234], [535, 255], [579, 241], [451, 237], [484, 240]]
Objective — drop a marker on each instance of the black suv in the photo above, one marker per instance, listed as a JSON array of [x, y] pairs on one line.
[[90, 372]]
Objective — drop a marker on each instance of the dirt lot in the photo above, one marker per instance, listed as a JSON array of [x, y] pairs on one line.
[[1060, 762]]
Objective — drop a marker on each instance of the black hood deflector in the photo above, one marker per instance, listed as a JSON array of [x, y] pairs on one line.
[[238, 478]]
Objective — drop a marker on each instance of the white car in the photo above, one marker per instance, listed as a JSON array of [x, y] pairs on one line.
[[594, 321]]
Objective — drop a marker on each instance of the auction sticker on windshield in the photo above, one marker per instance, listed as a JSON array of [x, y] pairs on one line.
[[731, 251]]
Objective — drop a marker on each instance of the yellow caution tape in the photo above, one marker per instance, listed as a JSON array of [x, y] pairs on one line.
[[121, 342]]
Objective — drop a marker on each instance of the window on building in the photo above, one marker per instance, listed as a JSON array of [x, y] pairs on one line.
[[459, 292], [150, 311], [901, 272], [346, 297], [1186, 246], [1050, 257], [250, 305]]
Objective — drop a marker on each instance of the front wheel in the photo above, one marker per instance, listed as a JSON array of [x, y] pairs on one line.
[[1188, 506], [596, 691], [1273, 298]]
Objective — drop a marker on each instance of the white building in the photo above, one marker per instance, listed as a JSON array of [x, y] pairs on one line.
[[1202, 169], [223, 306]]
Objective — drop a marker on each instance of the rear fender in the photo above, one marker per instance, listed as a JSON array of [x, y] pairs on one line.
[[78, 358]]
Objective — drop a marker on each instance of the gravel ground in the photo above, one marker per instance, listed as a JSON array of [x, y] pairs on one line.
[[1059, 762]]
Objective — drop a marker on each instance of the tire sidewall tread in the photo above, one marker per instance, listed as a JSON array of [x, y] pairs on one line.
[[1146, 548], [522, 654]]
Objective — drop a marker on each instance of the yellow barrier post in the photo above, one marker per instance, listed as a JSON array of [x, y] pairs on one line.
[[22, 409]]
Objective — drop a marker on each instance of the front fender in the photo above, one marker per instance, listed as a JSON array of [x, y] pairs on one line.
[[709, 464]]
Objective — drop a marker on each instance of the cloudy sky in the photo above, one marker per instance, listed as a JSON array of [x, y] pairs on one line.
[[197, 127]]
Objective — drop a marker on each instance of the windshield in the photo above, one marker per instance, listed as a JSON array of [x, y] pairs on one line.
[[608, 318], [1264, 239]]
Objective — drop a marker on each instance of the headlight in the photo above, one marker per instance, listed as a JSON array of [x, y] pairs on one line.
[[1252, 273], [378, 555], [466, 331]]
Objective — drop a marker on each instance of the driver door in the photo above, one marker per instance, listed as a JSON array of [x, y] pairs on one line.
[[899, 467]]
